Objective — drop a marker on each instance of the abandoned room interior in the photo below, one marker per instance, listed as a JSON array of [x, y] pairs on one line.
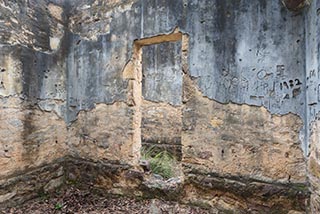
[[206, 103]]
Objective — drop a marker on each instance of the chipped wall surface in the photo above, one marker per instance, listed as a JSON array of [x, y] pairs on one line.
[[78, 79], [233, 55], [162, 73], [29, 137], [33, 132], [161, 126], [313, 98], [234, 140], [229, 57], [104, 133], [314, 166], [31, 23], [313, 61], [11, 72]]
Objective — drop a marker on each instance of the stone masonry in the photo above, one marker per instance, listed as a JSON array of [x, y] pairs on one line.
[[231, 88]]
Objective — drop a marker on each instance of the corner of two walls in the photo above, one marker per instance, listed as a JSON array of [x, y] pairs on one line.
[[32, 96], [237, 95], [246, 95], [50, 113], [313, 99]]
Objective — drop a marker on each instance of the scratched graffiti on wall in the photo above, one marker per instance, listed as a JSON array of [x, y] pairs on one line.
[[278, 84], [272, 87], [313, 78]]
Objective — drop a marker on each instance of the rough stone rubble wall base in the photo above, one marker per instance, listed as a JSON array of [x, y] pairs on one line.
[[234, 156]]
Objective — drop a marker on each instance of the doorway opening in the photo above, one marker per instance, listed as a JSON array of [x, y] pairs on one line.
[[155, 76]]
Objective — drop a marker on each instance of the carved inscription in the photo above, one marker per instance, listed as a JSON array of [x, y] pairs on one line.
[[312, 73], [233, 83], [290, 84], [280, 70], [313, 87], [272, 87]]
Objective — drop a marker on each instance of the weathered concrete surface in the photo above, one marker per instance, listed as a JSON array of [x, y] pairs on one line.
[[313, 98], [38, 24], [224, 61], [10, 75], [161, 127], [95, 65], [312, 61], [314, 166], [93, 18], [33, 133], [162, 73], [227, 66], [63, 62], [32, 183], [104, 133], [237, 65], [240, 140], [29, 137]]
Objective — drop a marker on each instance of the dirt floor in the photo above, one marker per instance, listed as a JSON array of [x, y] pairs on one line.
[[73, 200]]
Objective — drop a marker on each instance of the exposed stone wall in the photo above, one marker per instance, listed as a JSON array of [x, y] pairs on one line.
[[38, 24], [90, 80], [35, 182], [33, 132], [29, 137], [161, 126], [313, 98], [314, 166], [241, 140], [104, 133]]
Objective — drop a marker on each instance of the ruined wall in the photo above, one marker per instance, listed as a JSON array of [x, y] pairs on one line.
[[313, 166], [229, 56], [104, 133], [32, 94], [234, 140], [243, 144], [228, 96], [313, 98], [226, 68], [245, 47], [226, 61]]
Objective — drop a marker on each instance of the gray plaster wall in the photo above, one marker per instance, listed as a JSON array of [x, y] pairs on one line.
[[246, 52], [29, 23], [95, 65], [313, 61], [241, 52], [38, 72], [162, 73]]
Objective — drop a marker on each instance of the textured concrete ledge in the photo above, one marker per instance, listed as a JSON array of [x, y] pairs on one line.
[[211, 190], [31, 184], [241, 194]]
